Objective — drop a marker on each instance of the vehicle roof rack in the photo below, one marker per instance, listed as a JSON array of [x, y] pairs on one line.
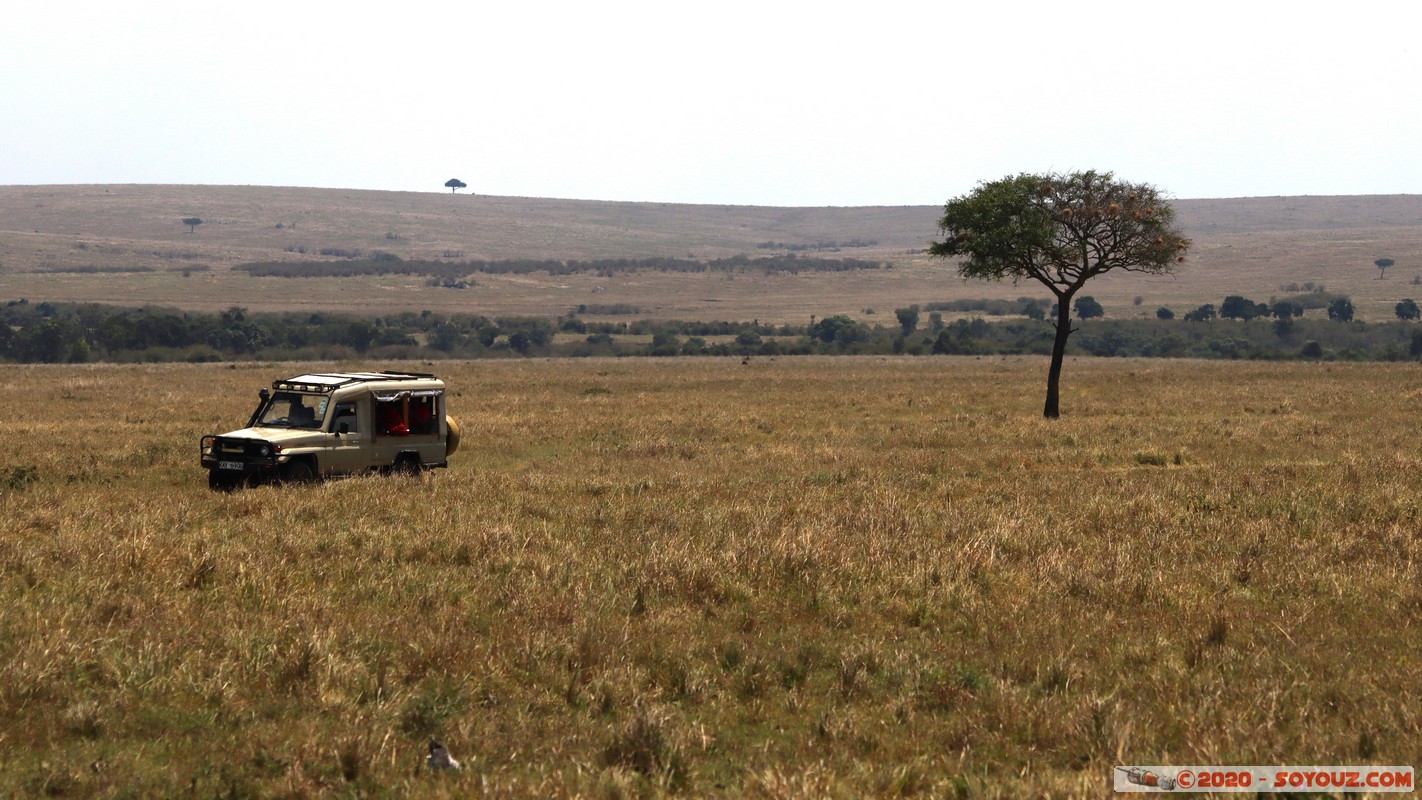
[[326, 382]]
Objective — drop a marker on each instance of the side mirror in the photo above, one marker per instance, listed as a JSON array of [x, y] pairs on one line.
[[344, 427]]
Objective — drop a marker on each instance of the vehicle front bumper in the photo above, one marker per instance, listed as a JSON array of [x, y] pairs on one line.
[[240, 456]]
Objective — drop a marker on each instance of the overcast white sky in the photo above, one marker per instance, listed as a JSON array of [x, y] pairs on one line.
[[749, 103]]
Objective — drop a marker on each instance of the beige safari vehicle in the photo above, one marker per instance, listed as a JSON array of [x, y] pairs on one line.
[[337, 423]]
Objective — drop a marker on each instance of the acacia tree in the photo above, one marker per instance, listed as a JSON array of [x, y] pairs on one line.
[[192, 223], [908, 319], [1382, 264], [455, 185], [1341, 310], [1061, 230], [1087, 308]]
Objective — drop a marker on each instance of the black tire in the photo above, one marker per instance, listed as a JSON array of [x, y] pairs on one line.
[[408, 464], [220, 482], [297, 472]]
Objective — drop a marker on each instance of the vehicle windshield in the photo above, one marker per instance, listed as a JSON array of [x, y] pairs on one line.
[[292, 410]]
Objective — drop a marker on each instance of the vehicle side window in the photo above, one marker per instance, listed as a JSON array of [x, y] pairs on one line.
[[390, 418], [345, 415], [423, 415]]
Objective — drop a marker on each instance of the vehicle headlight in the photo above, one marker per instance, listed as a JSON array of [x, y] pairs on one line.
[[266, 450], [208, 444]]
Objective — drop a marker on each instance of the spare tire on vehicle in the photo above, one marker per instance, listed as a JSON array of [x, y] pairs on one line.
[[452, 442]]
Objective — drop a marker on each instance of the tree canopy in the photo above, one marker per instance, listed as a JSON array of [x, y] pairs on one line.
[[1086, 307], [192, 223], [1341, 310], [908, 319], [1240, 307], [1204, 313], [454, 185], [1060, 230]]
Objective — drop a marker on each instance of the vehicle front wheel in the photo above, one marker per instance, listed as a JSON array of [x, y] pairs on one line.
[[218, 481], [297, 472]]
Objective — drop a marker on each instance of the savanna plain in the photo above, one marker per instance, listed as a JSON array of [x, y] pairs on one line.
[[787, 578]]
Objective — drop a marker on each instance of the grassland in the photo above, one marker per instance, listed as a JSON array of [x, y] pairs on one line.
[[795, 578], [1249, 246]]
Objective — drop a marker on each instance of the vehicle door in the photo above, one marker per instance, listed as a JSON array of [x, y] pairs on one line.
[[348, 437]]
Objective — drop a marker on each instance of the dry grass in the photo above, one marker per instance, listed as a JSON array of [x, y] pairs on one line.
[[798, 578], [1249, 246]]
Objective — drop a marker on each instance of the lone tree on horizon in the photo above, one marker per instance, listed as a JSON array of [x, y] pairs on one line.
[[455, 185], [1061, 230], [192, 223]]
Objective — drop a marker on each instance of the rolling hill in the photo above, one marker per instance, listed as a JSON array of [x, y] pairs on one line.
[[126, 244]]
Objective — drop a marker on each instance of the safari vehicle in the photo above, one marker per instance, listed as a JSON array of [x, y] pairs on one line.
[[338, 423]]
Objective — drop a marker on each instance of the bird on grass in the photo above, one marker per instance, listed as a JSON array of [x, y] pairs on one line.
[[440, 758]]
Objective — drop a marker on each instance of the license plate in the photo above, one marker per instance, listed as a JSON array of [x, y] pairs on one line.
[[236, 465]]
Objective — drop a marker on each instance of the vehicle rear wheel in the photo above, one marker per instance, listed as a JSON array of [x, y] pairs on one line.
[[408, 464], [297, 472]]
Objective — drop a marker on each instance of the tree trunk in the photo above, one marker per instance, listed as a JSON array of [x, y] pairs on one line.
[[1052, 410]]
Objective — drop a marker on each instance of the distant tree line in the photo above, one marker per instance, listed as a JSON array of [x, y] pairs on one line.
[[90, 269], [389, 264], [74, 333], [1339, 307], [994, 308], [803, 246]]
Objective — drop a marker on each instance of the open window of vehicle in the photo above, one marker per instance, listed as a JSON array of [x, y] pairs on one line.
[[408, 413], [345, 420]]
